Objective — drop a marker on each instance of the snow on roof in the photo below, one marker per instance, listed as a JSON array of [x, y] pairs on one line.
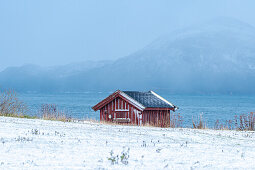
[[135, 102], [149, 99]]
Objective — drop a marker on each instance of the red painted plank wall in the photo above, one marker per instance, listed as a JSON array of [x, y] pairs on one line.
[[121, 107], [159, 118], [156, 117]]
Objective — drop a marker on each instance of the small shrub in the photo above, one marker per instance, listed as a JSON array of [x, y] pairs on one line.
[[124, 156], [35, 132], [23, 139], [11, 105], [113, 159]]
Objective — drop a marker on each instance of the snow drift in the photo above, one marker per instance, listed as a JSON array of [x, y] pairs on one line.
[[42, 144]]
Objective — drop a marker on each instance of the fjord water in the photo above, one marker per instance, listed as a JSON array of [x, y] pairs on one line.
[[213, 107]]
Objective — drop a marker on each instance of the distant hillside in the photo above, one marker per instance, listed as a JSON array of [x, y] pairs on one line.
[[215, 57], [45, 79]]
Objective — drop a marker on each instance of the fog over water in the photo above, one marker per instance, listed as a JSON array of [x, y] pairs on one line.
[[60, 32]]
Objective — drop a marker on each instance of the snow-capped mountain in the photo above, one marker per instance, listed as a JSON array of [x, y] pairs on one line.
[[217, 56]]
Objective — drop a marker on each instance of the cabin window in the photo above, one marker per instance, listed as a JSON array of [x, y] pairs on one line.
[[121, 115]]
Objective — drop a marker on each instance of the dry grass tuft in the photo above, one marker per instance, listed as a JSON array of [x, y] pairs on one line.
[[246, 122], [243, 122], [175, 120], [51, 112], [199, 123]]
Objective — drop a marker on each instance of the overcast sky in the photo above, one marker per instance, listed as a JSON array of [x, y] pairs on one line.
[[54, 32]]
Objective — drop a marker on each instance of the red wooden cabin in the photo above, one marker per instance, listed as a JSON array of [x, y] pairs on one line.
[[139, 108]]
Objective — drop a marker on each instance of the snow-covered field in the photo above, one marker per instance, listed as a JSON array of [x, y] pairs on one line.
[[41, 144]]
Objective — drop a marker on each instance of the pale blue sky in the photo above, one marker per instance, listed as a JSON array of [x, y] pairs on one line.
[[53, 32]]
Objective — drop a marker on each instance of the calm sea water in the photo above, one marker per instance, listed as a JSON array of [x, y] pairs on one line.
[[213, 107]]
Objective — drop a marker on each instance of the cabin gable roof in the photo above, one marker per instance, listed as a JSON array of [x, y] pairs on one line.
[[122, 95], [141, 100]]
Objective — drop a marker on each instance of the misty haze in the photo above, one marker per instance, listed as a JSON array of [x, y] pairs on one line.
[[164, 68], [216, 56]]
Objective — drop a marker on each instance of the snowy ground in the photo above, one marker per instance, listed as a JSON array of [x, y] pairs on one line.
[[41, 144]]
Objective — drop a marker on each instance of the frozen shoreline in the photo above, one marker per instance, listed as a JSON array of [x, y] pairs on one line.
[[41, 144]]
